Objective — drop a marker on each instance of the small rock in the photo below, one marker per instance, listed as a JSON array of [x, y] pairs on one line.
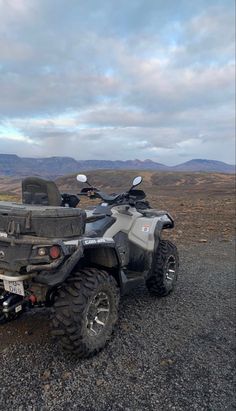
[[125, 327], [167, 361], [99, 382], [46, 375], [47, 387], [28, 332], [202, 240], [66, 375], [133, 379]]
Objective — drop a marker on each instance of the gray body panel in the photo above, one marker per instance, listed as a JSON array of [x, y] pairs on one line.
[[140, 229]]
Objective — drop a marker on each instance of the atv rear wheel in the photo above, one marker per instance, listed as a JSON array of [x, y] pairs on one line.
[[165, 269], [85, 311]]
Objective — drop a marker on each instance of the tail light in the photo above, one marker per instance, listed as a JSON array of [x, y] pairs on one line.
[[55, 252]]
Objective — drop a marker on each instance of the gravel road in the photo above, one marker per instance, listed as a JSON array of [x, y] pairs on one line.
[[174, 353]]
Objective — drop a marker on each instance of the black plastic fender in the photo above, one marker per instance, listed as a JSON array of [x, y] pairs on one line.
[[55, 278], [165, 221]]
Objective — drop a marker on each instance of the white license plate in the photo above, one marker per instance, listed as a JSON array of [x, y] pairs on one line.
[[15, 287], [3, 234]]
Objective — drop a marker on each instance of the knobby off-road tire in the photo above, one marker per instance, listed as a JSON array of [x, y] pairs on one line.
[[85, 311], [165, 269]]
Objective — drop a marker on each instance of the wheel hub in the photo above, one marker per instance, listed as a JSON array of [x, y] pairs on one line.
[[170, 269], [98, 314]]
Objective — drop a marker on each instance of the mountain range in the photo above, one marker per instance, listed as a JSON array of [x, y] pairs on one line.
[[52, 167]]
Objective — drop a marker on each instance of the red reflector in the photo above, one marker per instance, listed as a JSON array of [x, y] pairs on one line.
[[55, 252]]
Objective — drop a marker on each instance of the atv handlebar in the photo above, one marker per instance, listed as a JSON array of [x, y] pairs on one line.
[[93, 193], [130, 197]]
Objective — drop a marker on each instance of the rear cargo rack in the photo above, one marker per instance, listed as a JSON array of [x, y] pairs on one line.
[[41, 221]]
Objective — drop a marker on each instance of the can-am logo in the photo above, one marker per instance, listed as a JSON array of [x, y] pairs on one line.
[[2, 254]]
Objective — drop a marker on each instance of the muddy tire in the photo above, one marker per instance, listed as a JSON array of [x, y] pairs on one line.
[[85, 312], [165, 269]]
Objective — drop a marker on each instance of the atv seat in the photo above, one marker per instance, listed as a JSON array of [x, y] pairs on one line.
[[97, 225], [38, 191]]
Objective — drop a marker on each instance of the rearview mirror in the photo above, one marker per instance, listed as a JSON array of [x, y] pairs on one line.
[[81, 178], [137, 180]]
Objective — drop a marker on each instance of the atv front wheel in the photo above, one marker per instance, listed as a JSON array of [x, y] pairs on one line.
[[165, 269], [85, 311]]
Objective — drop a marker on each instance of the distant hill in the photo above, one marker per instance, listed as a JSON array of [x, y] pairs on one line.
[[205, 165], [52, 167]]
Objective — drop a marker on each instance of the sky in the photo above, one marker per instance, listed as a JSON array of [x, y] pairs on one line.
[[109, 79]]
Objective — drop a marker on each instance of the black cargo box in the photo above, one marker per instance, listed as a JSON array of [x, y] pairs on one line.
[[41, 221]]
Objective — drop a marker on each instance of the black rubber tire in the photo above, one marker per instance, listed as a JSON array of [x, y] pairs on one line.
[[157, 282], [71, 308], [3, 319]]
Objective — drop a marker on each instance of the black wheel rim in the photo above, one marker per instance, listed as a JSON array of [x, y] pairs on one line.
[[170, 270], [97, 314]]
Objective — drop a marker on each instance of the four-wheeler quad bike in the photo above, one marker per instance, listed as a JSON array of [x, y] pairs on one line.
[[79, 262]]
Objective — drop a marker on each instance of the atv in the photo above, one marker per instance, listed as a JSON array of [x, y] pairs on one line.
[[79, 262]]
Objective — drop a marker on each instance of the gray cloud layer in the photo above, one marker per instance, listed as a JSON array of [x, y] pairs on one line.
[[115, 79]]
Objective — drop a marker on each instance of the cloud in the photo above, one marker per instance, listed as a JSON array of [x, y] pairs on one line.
[[145, 79]]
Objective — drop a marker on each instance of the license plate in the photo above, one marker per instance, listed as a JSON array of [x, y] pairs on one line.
[[15, 287], [3, 234]]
